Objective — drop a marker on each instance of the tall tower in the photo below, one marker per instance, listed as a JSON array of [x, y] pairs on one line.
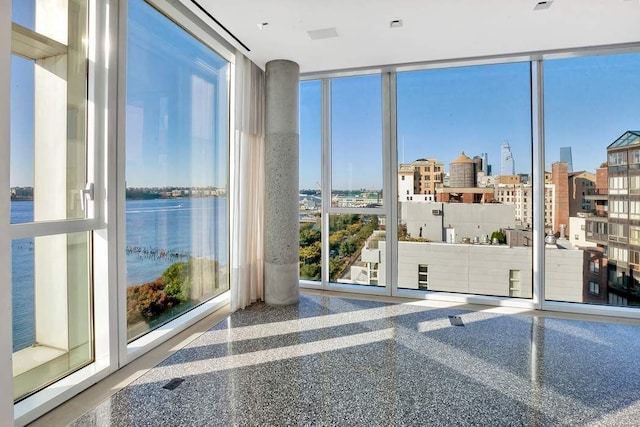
[[485, 163], [560, 180], [507, 164], [565, 156]]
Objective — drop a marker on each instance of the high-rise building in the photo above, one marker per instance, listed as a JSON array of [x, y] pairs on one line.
[[565, 156], [507, 164], [479, 164], [418, 181], [581, 185], [621, 234], [517, 190], [428, 175], [485, 164], [560, 180]]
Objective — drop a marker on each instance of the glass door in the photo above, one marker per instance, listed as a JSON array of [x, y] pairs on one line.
[[52, 186]]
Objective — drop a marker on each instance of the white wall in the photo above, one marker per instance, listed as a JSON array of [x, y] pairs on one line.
[[468, 219], [484, 269], [405, 187], [563, 274], [577, 228]]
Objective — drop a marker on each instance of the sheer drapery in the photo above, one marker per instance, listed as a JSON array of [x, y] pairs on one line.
[[247, 223]]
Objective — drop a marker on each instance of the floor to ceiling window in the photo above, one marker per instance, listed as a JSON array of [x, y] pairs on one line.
[[51, 180], [592, 160], [310, 198], [462, 141], [176, 170], [464, 177], [64, 173], [460, 175], [356, 220]]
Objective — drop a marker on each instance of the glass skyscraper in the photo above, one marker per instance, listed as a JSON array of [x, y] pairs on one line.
[[565, 156], [507, 165]]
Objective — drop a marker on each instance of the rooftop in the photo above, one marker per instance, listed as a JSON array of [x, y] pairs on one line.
[[630, 137], [462, 158]]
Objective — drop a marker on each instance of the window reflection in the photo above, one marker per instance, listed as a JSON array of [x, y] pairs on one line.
[[176, 170]]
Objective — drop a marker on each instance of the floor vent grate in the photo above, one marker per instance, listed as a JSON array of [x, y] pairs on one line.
[[175, 382]]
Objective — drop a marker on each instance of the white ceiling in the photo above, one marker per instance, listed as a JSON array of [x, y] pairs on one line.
[[432, 29]]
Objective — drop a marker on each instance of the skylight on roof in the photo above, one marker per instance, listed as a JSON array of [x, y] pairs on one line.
[[628, 138]]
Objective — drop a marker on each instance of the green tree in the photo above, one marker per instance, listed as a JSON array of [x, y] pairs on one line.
[[177, 282], [499, 235], [145, 302], [335, 266], [308, 235], [311, 253], [310, 271], [335, 239], [347, 247]]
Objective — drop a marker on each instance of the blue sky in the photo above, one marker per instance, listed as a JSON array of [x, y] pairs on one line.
[[170, 106], [22, 105], [589, 102]]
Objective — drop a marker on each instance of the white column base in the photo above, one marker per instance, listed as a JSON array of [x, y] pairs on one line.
[[281, 284]]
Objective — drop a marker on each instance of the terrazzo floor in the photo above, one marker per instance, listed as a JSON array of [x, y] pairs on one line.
[[347, 362]]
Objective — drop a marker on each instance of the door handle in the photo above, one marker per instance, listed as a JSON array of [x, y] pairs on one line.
[[86, 194]]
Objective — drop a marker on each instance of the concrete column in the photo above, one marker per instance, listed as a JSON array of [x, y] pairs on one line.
[[282, 225]]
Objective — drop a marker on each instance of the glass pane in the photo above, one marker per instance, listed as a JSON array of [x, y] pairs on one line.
[[22, 293], [51, 293], [48, 17], [22, 125], [356, 247], [23, 12], [176, 171], [48, 114], [310, 178], [356, 141], [592, 156], [464, 180]]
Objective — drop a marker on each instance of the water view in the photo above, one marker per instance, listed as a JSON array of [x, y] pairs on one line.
[[160, 232]]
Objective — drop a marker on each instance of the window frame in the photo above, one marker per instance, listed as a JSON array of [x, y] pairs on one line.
[[178, 14], [539, 187], [327, 189], [423, 276], [93, 217], [105, 69]]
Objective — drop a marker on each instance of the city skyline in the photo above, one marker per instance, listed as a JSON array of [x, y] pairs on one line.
[[588, 105]]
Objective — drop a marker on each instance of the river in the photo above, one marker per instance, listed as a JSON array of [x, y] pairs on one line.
[[159, 232]]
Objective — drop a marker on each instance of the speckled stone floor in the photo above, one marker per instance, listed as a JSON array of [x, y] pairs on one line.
[[346, 362]]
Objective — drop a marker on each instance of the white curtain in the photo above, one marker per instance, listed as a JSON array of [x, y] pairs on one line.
[[247, 210]]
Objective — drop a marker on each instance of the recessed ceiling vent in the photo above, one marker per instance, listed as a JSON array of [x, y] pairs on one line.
[[324, 33], [543, 5], [396, 23]]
